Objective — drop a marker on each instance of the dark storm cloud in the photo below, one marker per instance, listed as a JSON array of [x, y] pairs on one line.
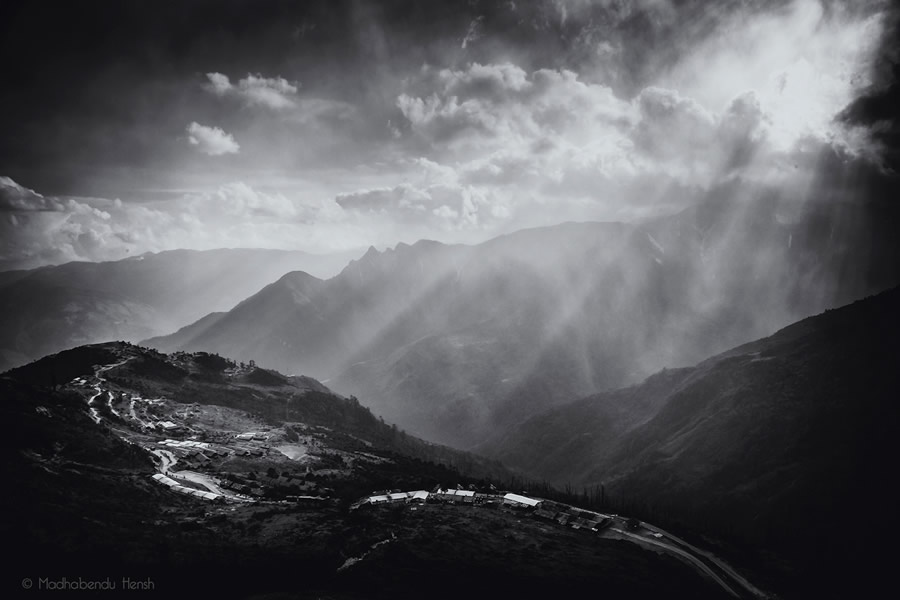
[[879, 108]]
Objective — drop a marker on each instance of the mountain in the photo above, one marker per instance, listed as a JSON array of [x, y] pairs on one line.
[[201, 475], [784, 443], [49, 309], [457, 342]]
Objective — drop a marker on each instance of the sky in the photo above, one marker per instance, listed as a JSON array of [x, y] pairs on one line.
[[130, 127]]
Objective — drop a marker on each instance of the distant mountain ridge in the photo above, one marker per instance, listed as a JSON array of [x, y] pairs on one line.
[[48, 309], [457, 342]]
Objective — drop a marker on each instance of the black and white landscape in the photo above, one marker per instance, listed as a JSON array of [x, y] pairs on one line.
[[450, 299]]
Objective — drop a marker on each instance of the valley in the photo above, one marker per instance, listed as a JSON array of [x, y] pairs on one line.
[[383, 299], [456, 343], [736, 453]]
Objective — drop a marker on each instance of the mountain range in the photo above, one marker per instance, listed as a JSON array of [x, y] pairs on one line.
[[456, 343], [45, 310]]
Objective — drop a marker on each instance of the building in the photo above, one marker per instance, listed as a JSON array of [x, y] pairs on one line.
[[517, 501], [418, 496]]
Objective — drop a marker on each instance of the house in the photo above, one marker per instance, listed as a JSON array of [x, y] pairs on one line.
[[418, 496], [456, 496], [518, 501], [546, 515], [444, 496]]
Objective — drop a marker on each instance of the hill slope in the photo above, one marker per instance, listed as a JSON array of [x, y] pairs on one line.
[[774, 442], [84, 455]]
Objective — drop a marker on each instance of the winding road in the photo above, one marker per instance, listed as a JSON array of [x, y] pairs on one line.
[[693, 560], [98, 387]]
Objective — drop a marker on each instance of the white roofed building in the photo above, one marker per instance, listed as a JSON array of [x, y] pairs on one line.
[[517, 500]]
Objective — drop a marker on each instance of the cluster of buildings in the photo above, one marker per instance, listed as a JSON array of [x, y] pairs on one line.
[[243, 488], [185, 444], [166, 425], [196, 452], [562, 514], [569, 516], [452, 496]]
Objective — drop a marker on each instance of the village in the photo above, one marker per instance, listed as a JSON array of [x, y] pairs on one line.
[[546, 510], [608, 526], [197, 439], [201, 439]]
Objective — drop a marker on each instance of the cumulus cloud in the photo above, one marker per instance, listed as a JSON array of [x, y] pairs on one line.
[[447, 206], [805, 62], [255, 90], [40, 230], [14, 197], [237, 199], [499, 104], [616, 130], [211, 140], [549, 140]]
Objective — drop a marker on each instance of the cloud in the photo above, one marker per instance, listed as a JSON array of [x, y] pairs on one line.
[[562, 109], [670, 123], [218, 84], [42, 230], [473, 33], [448, 206], [255, 90], [805, 62], [239, 200], [14, 197], [503, 104], [211, 140], [45, 230]]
